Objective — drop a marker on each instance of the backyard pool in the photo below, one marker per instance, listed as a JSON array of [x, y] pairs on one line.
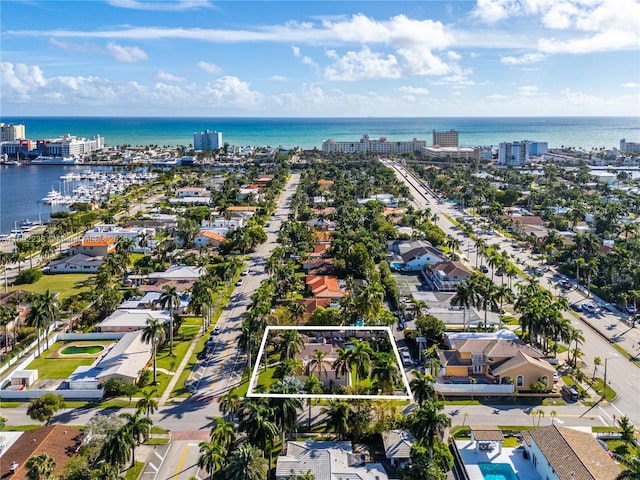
[[81, 349], [497, 471]]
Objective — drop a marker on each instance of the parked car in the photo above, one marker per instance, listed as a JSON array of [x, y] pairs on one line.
[[565, 284], [216, 330], [240, 282], [589, 308], [556, 377], [246, 272], [484, 269], [407, 361], [576, 307]]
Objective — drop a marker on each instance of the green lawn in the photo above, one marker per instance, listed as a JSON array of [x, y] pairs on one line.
[[179, 390], [59, 368], [66, 285], [134, 472]]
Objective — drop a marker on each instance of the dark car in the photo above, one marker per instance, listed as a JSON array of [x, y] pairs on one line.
[[576, 307], [565, 284], [484, 269]]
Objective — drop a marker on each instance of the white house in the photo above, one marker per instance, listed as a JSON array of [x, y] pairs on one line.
[[79, 263], [130, 320], [136, 234], [561, 453], [414, 255], [327, 461]]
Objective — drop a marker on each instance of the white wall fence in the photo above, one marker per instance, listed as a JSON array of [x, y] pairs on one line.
[[473, 389], [67, 394]]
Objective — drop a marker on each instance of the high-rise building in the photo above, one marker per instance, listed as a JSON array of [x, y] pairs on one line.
[[629, 147], [514, 153], [207, 140], [446, 139], [10, 132]]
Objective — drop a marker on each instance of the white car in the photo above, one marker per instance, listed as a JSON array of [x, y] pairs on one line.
[[407, 361], [240, 282]]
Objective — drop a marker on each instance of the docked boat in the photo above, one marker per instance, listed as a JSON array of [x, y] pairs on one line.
[[54, 197], [42, 160]]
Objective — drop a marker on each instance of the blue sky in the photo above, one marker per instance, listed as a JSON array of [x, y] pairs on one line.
[[317, 58]]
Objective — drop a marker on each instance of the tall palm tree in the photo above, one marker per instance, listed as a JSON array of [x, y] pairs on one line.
[[229, 403], [212, 457], [385, 371], [291, 345], [422, 387], [36, 318], [117, 449], [361, 356], [7, 315], [342, 364], [256, 421], [140, 430], [40, 467], [337, 417], [285, 409], [427, 423], [169, 298], [465, 297], [154, 334], [245, 463], [318, 362], [148, 402], [223, 433]]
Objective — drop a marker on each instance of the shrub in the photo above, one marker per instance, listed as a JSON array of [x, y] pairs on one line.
[[115, 387], [28, 276]]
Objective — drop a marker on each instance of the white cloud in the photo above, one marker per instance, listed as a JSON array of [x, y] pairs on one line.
[[414, 90], [523, 59], [20, 80], [528, 90], [72, 46], [173, 5], [210, 68], [168, 77], [364, 64], [630, 85], [233, 91], [578, 98], [126, 54], [295, 50], [454, 55], [278, 78]]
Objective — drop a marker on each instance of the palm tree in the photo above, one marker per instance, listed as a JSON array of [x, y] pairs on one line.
[[40, 467], [255, 421], [154, 333], [597, 361], [361, 356], [503, 294], [170, 299], [291, 345], [385, 371], [422, 387], [8, 314], [427, 423], [36, 318], [312, 385], [466, 296], [318, 362], [223, 433], [337, 417], [212, 457], [148, 403], [285, 409], [229, 403], [117, 449], [245, 463], [342, 364], [139, 428]]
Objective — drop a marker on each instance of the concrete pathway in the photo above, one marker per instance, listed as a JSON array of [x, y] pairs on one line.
[[176, 375]]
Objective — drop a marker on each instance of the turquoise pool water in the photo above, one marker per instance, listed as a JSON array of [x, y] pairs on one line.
[[497, 471]]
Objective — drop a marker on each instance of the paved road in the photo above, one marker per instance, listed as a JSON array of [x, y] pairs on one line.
[[600, 329]]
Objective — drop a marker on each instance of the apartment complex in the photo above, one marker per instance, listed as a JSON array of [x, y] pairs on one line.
[[518, 152], [207, 140], [10, 132], [366, 144], [446, 139], [629, 147], [66, 146]]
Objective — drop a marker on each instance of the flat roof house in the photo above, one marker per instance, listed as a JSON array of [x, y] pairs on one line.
[[130, 320]]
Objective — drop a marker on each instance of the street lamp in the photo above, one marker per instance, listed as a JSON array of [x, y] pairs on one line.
[[611, 355]]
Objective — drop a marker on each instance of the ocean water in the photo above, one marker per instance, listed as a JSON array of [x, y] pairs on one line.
[[22, 188], [585, 132]]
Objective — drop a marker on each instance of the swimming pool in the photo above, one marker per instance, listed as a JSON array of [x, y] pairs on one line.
[[81, 349], [497, 471]]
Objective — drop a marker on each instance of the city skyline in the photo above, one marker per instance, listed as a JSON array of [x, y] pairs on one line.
[[378, 59]]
